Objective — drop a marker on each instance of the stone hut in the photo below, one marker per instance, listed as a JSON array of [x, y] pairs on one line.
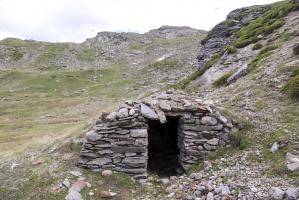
[[164, 133]]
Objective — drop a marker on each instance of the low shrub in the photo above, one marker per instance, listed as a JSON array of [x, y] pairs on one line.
[[222, 81], [292, 86], [257, 46]]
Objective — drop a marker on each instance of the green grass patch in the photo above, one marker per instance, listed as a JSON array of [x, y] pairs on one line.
[[292, 86], [264, 53], [265, 24], [222, 81], [231, 49], [166, 64]]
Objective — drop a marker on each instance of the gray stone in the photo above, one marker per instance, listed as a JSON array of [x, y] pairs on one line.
[[224, 190], [122, 113], [76, 173], [133, 160], [141, 142], [131, 112], [222, 119], [293, 166], [138, 133], [100, 161], [292, 194], [93, 136], [213, 141], [211, 121], [210, 196], [164, 105], [111, 116], [165, 181], [73, 195], [148, 113], [276, 193]]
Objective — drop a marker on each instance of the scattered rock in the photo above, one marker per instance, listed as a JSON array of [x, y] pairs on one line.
[[292, 162], [210, 196], [66, 183], [274, 147], [37, 162], [76, 173], [106, 173], [276, 193], [107, 194], [165, 181]]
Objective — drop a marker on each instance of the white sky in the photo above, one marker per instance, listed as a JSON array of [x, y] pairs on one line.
[[76, 20]]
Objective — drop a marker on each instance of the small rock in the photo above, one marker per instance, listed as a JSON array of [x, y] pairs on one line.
[[131, 112], [76, 173], [274, 147], [106, 194], [111, 116], [211, 121], [90, 193], [165, 181], [210, 196], [213, 141], [37, 162], [14, 165], [122, 113], [224, 190], [66, 183], [107, 172], [276, 193], [207, 164], [223, 119], [164, 105], [292, 194]]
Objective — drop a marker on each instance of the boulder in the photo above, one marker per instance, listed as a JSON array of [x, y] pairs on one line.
[[296, 48], [292, 194], [276, 193]]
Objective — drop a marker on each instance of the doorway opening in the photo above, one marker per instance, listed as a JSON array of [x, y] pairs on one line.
[[163, 148]]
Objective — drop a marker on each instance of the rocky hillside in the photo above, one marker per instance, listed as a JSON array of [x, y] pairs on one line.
[[248, 67], [104, 50]]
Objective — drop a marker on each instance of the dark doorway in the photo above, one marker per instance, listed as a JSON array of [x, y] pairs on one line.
[[163, 149]]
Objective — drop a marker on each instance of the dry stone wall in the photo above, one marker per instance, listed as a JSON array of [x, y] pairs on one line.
[[119, 140]]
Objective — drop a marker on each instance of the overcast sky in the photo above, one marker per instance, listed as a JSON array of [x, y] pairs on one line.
[[76, 20]]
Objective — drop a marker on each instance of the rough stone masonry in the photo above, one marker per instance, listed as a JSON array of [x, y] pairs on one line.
[[119, 140]]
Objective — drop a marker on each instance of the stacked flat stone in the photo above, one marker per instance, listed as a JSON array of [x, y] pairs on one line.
[[119, 140]]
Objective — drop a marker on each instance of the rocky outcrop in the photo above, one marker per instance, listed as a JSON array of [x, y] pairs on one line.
[[223, 33], [119, 140]]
